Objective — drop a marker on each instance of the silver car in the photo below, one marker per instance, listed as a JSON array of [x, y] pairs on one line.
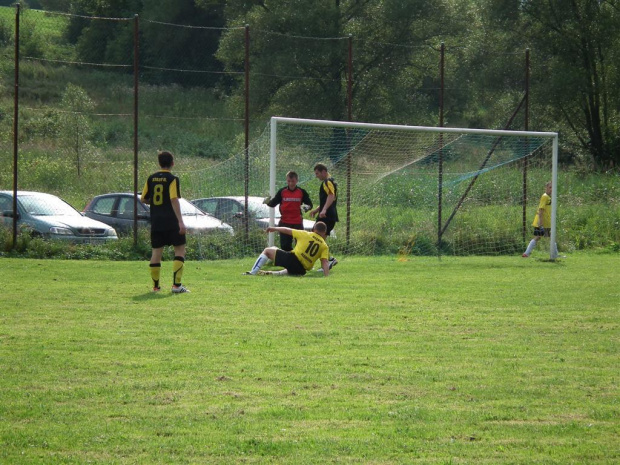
[[230, 209], [50, 217], [116, 210]]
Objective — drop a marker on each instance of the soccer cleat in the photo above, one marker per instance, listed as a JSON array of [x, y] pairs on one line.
[[265, 273], [525, 255], [332, 262], [156, 289], [179, 289], [247, 273]]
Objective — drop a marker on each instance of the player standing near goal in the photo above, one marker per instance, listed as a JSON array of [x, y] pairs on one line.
[[327, 211], [542, 221], [162, 192], [310, 247], [291, 200]]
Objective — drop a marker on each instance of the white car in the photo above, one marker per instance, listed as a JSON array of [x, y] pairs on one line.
[[50, 217], [230, 210]]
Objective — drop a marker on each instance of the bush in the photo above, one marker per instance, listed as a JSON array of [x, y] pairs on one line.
[[7, 33]]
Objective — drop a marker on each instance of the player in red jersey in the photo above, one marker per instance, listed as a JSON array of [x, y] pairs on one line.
[[292, 200]]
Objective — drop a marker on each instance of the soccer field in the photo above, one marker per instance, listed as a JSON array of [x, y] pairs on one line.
[[466, 360]]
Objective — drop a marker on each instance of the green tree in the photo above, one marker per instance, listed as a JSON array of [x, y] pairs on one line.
[[485, 66], [578, 48], [100, 40], [56, 5], [74, 124], [174, 35], [299, 53], [191, 48]]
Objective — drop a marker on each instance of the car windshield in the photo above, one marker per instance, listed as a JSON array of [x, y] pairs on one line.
[[46, 205], [259, 210], [189, 209]]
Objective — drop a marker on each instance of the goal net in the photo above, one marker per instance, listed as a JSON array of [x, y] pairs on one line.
[[402, 190]]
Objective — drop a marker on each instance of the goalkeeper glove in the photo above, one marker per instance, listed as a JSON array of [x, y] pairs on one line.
[[267, 199], [305, 208]]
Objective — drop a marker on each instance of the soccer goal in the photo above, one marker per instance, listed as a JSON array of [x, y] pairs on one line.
[[422, 190], [402, 190]]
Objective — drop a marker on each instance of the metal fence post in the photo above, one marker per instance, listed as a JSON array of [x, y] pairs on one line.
[[15, 124], [136, 80]]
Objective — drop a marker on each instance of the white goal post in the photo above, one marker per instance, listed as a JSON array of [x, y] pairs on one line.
[[422, 156]]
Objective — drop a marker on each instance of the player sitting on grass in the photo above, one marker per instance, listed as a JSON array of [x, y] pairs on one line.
[[310, 247]]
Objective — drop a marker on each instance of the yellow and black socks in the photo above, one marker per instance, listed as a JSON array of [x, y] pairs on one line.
[[177, 270], [155, 274]]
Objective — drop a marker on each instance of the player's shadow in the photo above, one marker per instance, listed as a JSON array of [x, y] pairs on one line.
[[148, 296]]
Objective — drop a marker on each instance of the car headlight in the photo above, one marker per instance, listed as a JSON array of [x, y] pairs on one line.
[[60, 231], [111, 233]]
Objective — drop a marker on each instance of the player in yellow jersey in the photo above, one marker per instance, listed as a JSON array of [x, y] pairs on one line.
[[310, 247], [542, 221]]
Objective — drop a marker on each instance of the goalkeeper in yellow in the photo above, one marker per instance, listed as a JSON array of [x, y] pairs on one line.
[[542, 221], [310, 247]]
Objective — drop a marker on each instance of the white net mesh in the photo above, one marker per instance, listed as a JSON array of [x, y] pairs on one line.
[[389, 182]]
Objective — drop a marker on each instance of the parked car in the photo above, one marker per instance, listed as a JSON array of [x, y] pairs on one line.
[[48, 216], [231, 209], [116, 210]]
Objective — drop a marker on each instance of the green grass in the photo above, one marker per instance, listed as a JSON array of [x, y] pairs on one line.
[[462, 361]]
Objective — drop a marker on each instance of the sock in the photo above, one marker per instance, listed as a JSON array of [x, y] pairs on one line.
[[530, 247], [177, 270], [281, 272], [155, 273], [260, 262]]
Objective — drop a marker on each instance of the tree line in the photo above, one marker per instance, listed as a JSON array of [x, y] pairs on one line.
[[575, 44]]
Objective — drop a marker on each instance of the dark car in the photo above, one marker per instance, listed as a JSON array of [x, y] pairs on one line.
[[116, 209], [50, 217], [230, 210]]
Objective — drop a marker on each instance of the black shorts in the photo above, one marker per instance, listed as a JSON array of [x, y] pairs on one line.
[[289, 261], [329, 223], [291, 225], [286, 240], [542, 232], [162, 238]]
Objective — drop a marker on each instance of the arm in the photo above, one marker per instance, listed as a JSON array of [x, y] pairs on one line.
[[306, 200], [277, 199], [177, 211], [541, 210], [325, 266], [146, 197], [328, 203], [540, 217], [280, 229]]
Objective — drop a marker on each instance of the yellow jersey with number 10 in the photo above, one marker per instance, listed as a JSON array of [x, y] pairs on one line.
[[309, 248]]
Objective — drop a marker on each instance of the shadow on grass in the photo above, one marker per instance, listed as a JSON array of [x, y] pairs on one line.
[[479, 262], [556, 261], [150, 295]]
